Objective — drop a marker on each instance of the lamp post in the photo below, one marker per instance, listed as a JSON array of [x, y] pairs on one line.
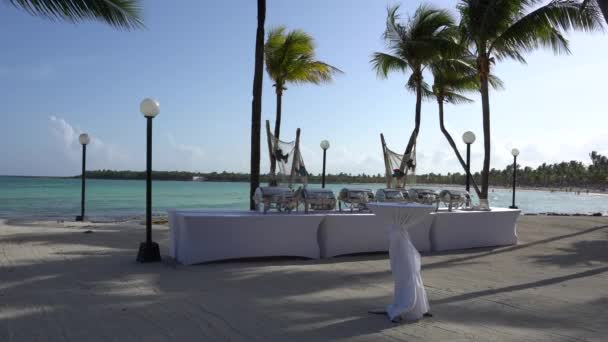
[[149, 250], [324, 146], [468, 137], [84, 140], [515, 153]]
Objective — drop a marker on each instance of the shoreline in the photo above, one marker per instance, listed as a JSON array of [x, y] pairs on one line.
[[163, 218]]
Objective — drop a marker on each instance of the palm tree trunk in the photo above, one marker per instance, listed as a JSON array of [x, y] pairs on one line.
[[453, 144], [414, 135], [256, 104], [277, 122], [484, 70]]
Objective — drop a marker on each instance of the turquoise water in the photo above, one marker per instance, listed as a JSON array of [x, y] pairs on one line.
[[60, 198]]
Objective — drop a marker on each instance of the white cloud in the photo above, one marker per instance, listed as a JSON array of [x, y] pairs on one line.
[[185, 156], [100, 155]]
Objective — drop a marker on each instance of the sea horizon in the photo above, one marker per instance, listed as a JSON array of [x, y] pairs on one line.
[[59, 198]]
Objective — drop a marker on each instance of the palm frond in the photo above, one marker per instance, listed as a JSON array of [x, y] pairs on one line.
[[290, 57], [543, 27], [452, 77], [384, 63], [455, 98], [415, 42], [122, 14]]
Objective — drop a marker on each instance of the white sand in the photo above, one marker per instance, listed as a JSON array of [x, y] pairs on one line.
[[60, 284]]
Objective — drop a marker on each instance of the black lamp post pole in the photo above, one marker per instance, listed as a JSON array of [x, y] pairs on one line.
[[468, 166], [149, 183], [323, 176], [513, 206], [82, 194], [149, 250]]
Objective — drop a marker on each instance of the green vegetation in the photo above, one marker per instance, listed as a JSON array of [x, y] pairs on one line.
[[452, 77], [290, 58], [124, 14], [498, 30], [558, 175], [412, 47]]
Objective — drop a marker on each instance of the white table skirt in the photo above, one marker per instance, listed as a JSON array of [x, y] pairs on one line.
[[341, 234], [470, 229], [203, 236], [410, 301]]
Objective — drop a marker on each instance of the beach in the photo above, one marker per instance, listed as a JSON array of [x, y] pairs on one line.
[[67, 281], [110, 199]]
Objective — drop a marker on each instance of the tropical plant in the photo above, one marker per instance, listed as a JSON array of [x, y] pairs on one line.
[[496, 30], [452, 77], [256, 104], [412, 46], [602, 4], [124, 14], [290, 58]]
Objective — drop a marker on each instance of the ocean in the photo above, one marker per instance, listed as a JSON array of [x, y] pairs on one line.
[[53, 198]]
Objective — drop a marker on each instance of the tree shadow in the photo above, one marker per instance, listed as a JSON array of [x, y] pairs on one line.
[[498, 251], [584, 252], [520, 287]]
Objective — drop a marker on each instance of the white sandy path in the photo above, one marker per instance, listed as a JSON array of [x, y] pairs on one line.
[[60, 284]]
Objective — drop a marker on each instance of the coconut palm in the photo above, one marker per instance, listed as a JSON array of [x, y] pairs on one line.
[[256, 104], [412, 46], [452, 77], [496, 30], [124, 14], [290, 58], [602, 4]]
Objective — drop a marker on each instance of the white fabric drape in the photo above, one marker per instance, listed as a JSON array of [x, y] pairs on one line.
[[410, 301]]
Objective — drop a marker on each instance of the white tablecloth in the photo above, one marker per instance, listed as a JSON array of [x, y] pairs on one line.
[[469, 229], [201, 236], [410, 300], [345, 233]]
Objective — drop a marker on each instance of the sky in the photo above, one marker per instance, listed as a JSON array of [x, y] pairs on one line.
[[59, 79]]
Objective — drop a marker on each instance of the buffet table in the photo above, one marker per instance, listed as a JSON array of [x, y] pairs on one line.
[[205, 235], [343, 233], [469, 229], [198, 236]]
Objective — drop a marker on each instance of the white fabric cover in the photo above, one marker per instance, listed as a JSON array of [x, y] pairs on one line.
[[410, 301], [469, 229], [341, 234], [201, 236]]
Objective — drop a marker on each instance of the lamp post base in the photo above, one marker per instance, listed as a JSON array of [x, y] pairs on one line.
[[148, 252], [513, 207], [81, 218]]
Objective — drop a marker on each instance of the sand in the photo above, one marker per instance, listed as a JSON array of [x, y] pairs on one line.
[[58, 283]]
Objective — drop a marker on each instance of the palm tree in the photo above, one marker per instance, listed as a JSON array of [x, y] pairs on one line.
[[602, 4], [451, 78], [124, 14], [412, 46], [498, 29], [290, 58], [256, 104]]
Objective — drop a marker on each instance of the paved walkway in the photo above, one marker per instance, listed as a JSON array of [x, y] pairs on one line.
[[58, 283]]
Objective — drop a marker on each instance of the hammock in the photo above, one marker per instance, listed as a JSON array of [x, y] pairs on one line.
[[289, 163], [396, 177]]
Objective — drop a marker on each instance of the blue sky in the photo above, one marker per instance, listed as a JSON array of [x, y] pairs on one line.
[[59, 79]]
